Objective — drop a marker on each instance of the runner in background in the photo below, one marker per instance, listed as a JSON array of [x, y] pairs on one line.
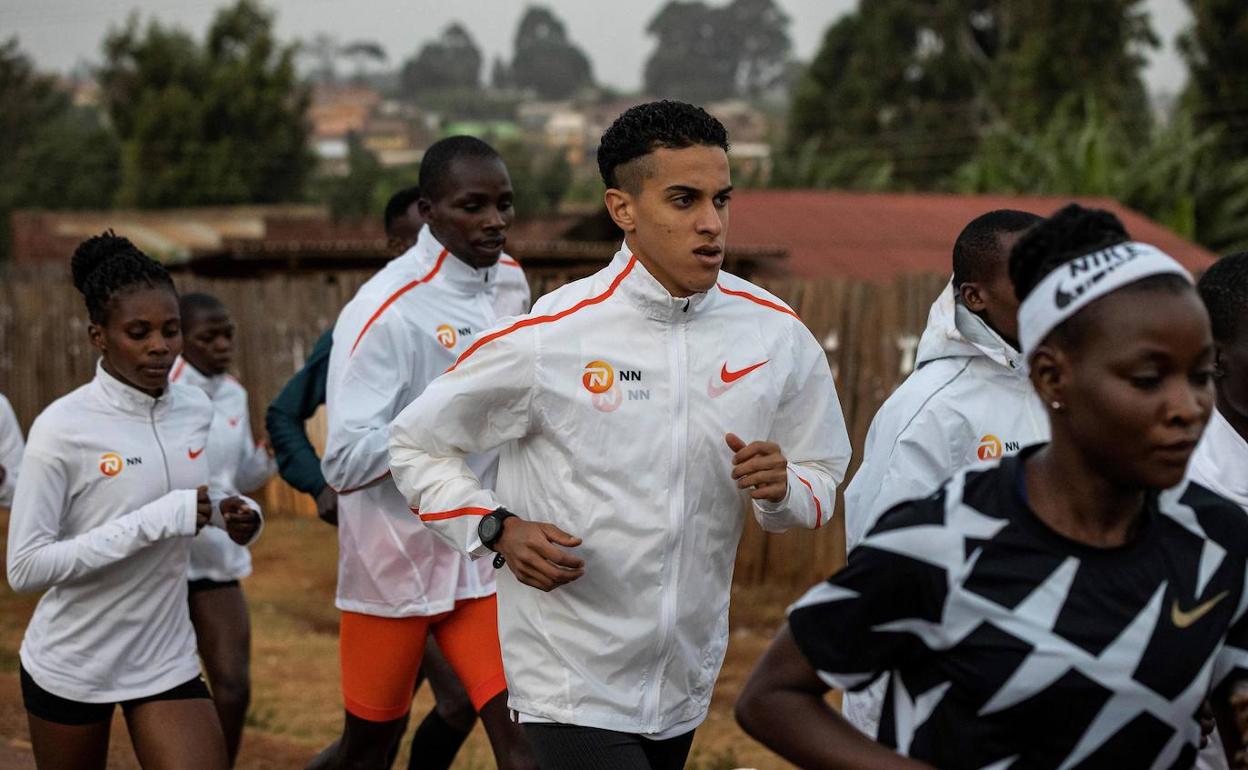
[[967, 403], [237, 464], [11, 447], [1071, 606], [287, 416], [1221, 460], [443, 731], [113, 487], [396, 581]]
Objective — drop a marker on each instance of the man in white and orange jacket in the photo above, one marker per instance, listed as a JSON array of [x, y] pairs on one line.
[[636, 409], [397, 582]]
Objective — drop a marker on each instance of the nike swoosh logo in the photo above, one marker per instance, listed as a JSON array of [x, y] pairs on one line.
[[1183, 619], [730, 377], [193, 454], [715, 390]]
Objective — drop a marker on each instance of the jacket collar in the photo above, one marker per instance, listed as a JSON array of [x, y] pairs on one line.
[[645, 292], [953, 331], [431, 260], [125, 397], [185, 372]]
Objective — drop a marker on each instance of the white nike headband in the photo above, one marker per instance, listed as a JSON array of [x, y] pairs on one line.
[[1076, 284]]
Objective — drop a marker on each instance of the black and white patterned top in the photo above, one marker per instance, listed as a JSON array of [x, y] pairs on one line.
[[1010, 646]]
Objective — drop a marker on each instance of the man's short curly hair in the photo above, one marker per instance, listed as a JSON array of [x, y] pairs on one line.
[[1224, 289], [645, 128]]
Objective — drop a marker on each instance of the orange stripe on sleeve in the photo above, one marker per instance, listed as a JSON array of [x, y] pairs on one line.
[[451, 514], [393, 297], [758, 301], [541, 319], [818, 506]]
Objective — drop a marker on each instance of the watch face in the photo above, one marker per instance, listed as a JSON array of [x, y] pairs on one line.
[[488, 531]]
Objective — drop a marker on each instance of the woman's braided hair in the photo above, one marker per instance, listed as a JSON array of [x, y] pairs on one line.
[[106, 265]]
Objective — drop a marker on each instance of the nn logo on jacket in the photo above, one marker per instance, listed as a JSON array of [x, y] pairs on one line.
[[600, 379], [448, 335], [112, 463], [992, 448]]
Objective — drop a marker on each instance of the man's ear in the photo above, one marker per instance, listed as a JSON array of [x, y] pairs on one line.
[[622, 207], [424, 206], [972, 295]]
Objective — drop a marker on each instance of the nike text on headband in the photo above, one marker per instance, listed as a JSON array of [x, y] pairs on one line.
[[1076, 284]]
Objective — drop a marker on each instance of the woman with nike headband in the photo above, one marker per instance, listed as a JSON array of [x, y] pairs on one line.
[[111, 492], [1070, 607]]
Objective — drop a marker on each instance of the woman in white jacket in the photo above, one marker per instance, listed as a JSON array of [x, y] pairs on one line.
[[102, 521], [237, 463]]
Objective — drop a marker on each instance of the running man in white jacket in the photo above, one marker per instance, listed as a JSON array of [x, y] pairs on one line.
[[237, 464], [1220, 462], [102, 522], [397, 581], [637, 410], [968, 401], [11, 448]]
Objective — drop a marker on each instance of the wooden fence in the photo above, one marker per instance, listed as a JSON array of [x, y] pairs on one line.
[[869, 330]]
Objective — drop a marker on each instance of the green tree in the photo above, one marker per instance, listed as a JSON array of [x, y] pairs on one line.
[[1178, 175], [56, 155], [1216, 50], [352, 195], [915, 84], [891, 89], [1048, 50], [218, 123], [451, 62], [545, 60], [704, 53]]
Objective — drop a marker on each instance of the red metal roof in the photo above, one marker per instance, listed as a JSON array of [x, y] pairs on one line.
[[881, 235]]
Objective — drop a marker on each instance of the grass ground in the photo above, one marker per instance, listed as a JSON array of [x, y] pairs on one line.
[[296, 708]]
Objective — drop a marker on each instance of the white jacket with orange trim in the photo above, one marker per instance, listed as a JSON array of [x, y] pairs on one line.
[[237, 464], [403, 328], [610, 403]]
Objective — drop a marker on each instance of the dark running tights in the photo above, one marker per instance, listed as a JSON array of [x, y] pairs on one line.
[[570, 747]]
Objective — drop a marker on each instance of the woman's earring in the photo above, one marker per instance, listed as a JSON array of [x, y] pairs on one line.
[[1057, 406]]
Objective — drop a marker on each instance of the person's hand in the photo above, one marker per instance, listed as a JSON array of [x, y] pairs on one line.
[[530, 550], [203, 507], [241, 520], [327, 506], [760, 467], [266, 445]]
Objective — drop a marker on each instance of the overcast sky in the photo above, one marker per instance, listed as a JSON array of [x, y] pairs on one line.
[[62, 33]]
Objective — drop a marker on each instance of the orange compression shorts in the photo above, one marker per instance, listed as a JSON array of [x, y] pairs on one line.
[[381, 657]]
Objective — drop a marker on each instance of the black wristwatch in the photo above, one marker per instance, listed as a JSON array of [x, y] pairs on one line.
[[490, 529]]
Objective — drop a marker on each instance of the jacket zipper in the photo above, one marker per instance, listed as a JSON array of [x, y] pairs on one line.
[[163, 457], [675, 528]]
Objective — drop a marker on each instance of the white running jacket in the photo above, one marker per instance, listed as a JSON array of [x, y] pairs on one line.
[[968, 402], [610, 403], [403, 328], [237, 464], [11, 448], [103, 520]]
